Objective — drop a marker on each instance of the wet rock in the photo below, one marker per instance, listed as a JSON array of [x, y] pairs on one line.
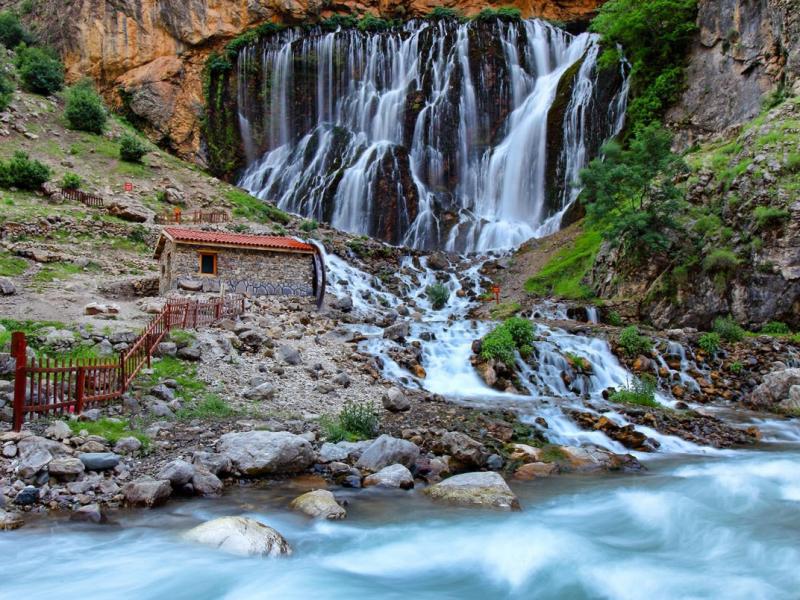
[[482, 489], [178, 472], [342, 451], [215, 463], [393, 476], [10, 520], [266, 452], [387, 450], [534, 470], [92, 513], [395, 400], [205, 483], [99, 461], [466, 452], [147, 491], [240, 536], [397, 332], [590, 458], [27, 496], [319, 504], [494, 462], [65, 467]]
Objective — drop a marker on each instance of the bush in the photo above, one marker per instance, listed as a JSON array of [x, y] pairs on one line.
[[22, 172], [40, 71], [640, 391], [505, 13], [728, 329], [515, 333], [356, 421], [633, 343], [736, 367], [309, 225], [438, 294], [6, 90], [373, 23], [131, 148], [709, 342], [614, 318], [71, 181], [444, 12], [769, 216], [85, 110], [336, 21], [776, 328], [720, 259], [12, 32]]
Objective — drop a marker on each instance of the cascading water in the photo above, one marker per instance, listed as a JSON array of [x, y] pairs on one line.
[[436, 134]]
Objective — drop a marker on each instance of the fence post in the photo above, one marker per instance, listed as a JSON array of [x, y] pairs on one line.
[[217, 309], [122, 384], [19, 350], [79, 387]]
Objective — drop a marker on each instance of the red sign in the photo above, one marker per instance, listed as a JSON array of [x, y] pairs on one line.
[[128, 186], [496, 292]]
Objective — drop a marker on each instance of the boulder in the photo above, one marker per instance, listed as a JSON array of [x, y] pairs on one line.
[[288, 355], [215, 463], [262, 392], [92, 513], [387, 450], [35, 453], [99, 308], [241, 536], [178, 472], [468, 453], [393, 476], [99, 461], [27, 496], [127, 445], [482, 489], [397, 332], [266, 452], [320, 504], [66, 467], [205, 483], [191, 352], [342, 451], [395, 400], [128, 211], [590, 458], [792, 403], [775, 388], [58, 430], [534, 470], [147, 491], [10, 520], [7, 287], [166, 349], [163, 392]]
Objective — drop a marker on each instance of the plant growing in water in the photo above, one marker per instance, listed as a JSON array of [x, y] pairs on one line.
[[438, 294], [640, 391], [633, 343]]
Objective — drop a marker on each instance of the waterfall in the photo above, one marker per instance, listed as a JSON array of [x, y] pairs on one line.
[[437, 134]]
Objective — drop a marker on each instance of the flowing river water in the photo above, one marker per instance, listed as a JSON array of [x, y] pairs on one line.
[[698, 523]]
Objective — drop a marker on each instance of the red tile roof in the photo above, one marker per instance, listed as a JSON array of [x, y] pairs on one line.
[[237, 239]]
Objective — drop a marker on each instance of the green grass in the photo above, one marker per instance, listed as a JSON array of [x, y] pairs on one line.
[[253, 209], [640, 391], [564, 273], [113, 431], [57, 270], [31, 330], [504, 310], [184, 373], [209, 407], [769, 216], [552, 453], [12, 266], [356, 421], [515, 334], [634, 343], [182, 337]]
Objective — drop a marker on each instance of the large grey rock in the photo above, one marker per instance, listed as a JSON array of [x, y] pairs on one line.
[[262, 392], [320, 504], [241, 536], [395, 400], [213, 462], [166, 349], [146, 491], [397, 332], [792, 403], [342, 451], [99, 461], [7, 287], [58, 430], [482, 489], [289, 355], [775, 388], [35, 453], [178, 472], [266, 452], [65, 467], [127, 445], [163, 392], [10, 520], [463, 449], [92, 513], [393, 476], [205, 483], [387, 450]]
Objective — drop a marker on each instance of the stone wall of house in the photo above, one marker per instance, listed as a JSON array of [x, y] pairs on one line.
[[255, 272]]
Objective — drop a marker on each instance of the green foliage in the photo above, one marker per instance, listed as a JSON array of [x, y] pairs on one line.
[[736, 367], [11, 266], [20, 171], [633, 343], [438, 294], [504, 13], [709, 342], [356, 421], [629, 193], [728, 329], [581, 363], [654, 37], [182, 337], [209, 407], [339, 21], [84, 109], [501, 343], [721, 260], [445, 12], [309, 225], [132, 148], [56, 271], [614, 318], [504, 310], [7, 88], [12, 32], [40, 71], [776, 328], [564, 273], [640, 391], [769, 216], [71, 181], [373, 23], [111, 429], [253, 209]]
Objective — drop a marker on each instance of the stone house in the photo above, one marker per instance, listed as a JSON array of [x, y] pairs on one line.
[[259, 265]]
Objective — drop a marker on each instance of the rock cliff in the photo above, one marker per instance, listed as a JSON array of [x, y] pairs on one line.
[[147, 55]]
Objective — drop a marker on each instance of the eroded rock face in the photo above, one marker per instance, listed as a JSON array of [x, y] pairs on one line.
[[240, 536]]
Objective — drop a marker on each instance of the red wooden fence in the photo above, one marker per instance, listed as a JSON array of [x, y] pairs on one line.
[[79, 196], [194, 216], [61, 386]]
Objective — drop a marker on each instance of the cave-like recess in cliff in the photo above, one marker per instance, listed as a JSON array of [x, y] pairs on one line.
[[435, 134]]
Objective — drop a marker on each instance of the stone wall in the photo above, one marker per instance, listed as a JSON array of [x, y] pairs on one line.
[[255, 272]]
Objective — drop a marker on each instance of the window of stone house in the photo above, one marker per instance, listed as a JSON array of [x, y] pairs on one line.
[[208, 263]]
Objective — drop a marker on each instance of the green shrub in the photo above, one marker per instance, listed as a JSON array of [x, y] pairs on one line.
[[22, 172], [71, 181], [84, 110], [500, 344], [373, 23], [728, 329], [633, 343], [253, 209], [709, 342], [356, 421], [309, 226], [521, 331], [111, 429], [614, 318], [209, 407], [438, 294], [736, 367], [769, 216], [505, 13], [640, 391], [131, 148], [12, 32], [40, 71], [336, 21], [7, 88], [776, 328], [445, 12], [721, 259]]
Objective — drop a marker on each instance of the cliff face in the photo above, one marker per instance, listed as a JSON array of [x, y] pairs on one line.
[[147, 56], [745, 49]]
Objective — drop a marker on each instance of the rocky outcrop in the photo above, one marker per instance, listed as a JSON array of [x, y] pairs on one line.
[[241, 536], [745, 49]]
